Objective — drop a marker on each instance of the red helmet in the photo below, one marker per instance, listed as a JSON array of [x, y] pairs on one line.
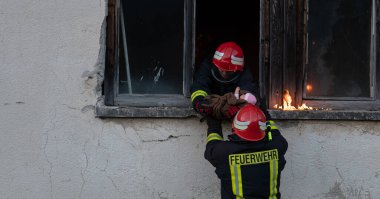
[[229, 57], [250, 123]]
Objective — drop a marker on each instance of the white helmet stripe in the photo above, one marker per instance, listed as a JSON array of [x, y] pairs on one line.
[[237, 63], [218, 55], [240, 125], [262, 125], [237, 60]]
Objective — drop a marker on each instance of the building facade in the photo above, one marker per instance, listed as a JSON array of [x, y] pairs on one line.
[[71, 127]]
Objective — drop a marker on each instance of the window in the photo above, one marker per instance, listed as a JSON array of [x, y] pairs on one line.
[[154, 48], [152, 53], [317, 52], [328, 56], [339, 63]]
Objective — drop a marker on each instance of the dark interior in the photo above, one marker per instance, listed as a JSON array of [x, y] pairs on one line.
[[221, 21]]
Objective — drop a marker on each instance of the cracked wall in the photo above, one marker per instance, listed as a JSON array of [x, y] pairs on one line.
[[53, 146]]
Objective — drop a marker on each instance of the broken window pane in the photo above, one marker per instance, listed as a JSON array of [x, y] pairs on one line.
[[339, 49], [151, 47]]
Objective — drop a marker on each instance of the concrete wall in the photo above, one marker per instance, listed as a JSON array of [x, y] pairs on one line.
[[52, 146]]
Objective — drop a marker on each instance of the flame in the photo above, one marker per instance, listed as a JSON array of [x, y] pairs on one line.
[[287, 102], [309, 88]]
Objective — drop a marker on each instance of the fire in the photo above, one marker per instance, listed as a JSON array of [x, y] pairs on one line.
[[304, 107], [309, 88], [287, 102]]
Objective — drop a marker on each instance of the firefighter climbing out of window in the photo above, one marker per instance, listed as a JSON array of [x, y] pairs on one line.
[[222, 74], [249, 164]]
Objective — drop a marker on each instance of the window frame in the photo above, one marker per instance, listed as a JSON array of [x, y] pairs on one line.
[[288, 59], [287, 53], [106, 106], [281, 65], [372, 64], [112, 97]]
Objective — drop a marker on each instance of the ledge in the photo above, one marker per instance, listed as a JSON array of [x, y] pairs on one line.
[[325, 115], [104, 111]]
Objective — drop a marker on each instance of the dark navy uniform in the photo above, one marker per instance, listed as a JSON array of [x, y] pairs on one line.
[[206, 82], [247, 169]]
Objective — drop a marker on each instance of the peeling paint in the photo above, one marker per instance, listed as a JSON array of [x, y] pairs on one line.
[[98, 71]]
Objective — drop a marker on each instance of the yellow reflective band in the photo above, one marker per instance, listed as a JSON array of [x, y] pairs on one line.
[[198, 93], [270, 136], [272, 126], [240, 182], [273, 169], [214, 136], [233, 178], [236, 181], [253, 158]]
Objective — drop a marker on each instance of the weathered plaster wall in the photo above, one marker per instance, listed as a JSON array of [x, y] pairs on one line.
[[52, 146], [332, 159]]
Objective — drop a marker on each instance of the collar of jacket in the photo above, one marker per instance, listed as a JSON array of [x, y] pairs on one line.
[[215, 74]]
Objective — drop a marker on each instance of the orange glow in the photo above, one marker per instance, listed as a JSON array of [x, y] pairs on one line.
[[309, 88], [287, 102]]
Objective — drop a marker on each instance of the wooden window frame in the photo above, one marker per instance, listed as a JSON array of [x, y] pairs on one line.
[[287, 53]]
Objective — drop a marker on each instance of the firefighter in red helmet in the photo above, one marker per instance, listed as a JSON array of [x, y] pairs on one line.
[[249, 164], [220, 74], [228, 58]]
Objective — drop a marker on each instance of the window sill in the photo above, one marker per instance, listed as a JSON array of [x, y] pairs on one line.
[[325, 115], [104, 111]]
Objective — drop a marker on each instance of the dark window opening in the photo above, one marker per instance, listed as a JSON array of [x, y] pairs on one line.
[[339, 63], [153, 34], [218, 22]]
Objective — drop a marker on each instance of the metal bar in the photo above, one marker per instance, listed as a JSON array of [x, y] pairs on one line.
[[373, 52], [125, 51]]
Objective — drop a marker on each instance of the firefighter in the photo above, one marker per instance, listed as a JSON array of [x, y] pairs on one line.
[[221, 74], [249, 164]]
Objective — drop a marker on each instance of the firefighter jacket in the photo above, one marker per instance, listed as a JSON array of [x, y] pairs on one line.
[[205, 83], [249, 170]]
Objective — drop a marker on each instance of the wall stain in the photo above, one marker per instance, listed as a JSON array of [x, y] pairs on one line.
[[365, 130], [88, 108], [337, 191], [166, 139], [288, 124]]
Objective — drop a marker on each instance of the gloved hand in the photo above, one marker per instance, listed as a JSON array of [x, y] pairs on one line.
[[202, 108], [231, 111]]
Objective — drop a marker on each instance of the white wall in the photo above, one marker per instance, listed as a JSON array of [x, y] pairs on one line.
[[52, 146]]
